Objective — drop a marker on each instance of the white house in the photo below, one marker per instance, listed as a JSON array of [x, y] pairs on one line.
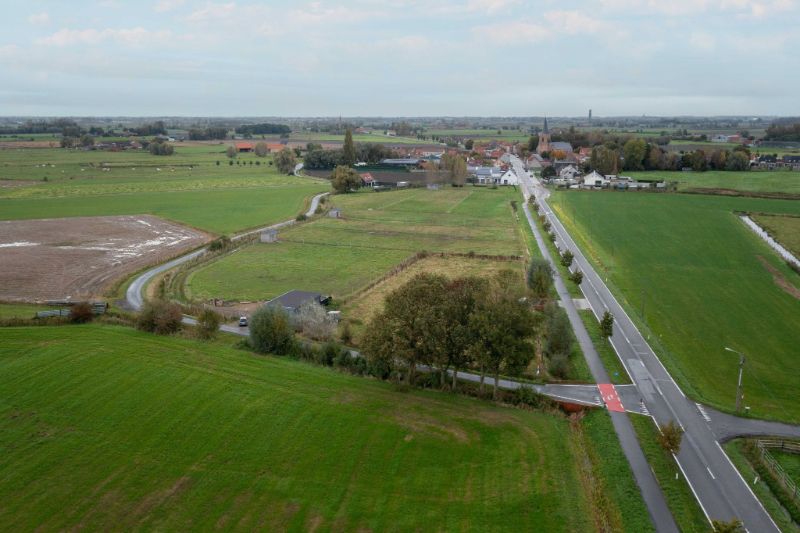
[[595, 179], [509, 177], [568, 172]]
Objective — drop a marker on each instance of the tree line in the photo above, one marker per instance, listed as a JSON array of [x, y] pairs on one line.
[[263, 129], [783, 132]]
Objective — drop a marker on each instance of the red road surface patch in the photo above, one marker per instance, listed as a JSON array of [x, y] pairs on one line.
[[610, 397]]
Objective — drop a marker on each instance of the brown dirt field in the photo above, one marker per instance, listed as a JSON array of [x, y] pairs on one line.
[[50, 259]]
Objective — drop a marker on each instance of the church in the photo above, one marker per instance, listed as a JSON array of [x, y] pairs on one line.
[[546, 145]]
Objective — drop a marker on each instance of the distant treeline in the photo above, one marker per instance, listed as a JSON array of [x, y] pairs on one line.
[[264, 129], [208, 134], [780, 132]]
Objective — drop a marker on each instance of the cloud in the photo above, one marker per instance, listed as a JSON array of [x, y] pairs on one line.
[[702, 41], [40, 19], [576, 22], [755, 8], [213, 11], [168, 5], [511, 33], [128, 36]]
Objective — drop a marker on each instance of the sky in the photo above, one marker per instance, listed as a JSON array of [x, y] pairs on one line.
[[399, 58]]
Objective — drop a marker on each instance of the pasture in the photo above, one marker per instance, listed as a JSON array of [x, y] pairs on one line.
[[698, 279], [105, 427], [377, 231], [188, 187], [776, 181]]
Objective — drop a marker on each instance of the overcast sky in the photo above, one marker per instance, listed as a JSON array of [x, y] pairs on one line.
[[400, 57]]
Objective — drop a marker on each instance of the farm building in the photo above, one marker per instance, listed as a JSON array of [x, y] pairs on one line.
[[245, 147], [292, 301], [595, 179]]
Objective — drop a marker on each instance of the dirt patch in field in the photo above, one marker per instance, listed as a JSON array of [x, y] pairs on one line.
[[780, 280], [52, 259]]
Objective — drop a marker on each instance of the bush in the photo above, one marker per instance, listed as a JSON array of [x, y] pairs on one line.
[[576, 277], [271, 331], [81, 313], [301, 217], [551, 236], [346, 334], [567, 258], [160, 317], [540, 278], [208, 324], [559, 365], [546, 225], [607, 324], [313, 321], [219, 244], [670, 437]]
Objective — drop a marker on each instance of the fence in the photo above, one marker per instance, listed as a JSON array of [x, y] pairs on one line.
[[780, 474]]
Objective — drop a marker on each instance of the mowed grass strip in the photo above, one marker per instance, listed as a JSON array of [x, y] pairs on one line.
[[689, 268], [108, 428], [379, 230]]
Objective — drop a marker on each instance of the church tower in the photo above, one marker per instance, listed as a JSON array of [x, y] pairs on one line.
[[544, 139]]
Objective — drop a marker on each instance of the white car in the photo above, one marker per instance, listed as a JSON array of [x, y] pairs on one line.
[[242, 321]]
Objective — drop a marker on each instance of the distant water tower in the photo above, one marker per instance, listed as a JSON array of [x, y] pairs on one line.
[[590, 115]]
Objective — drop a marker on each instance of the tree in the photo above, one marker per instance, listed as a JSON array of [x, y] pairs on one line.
[[548, 172], [208, 324], [86, 140], [737, 161], [559, 340], [409, 328], [231, 151], [533, 143], [348, 150], [160, 317], [605, 160], [314, 322], [461, 297], [344, 179], [261, 149], [456, 167], [285, 161], [607, 324], [576, 277], [271, 331], [634, 152], [540, 278], [567, 258], [671, 437], [503, 325], [733, 526], [468, 144]]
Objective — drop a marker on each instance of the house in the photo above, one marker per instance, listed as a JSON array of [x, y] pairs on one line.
[[719, 138], [487, 175], [275, 147], [367, 180], [509, 177], [244, 147], [595, 179], [568, 172], [292, 301]]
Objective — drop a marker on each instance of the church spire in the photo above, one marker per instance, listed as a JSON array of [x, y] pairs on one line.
[[546, 130]]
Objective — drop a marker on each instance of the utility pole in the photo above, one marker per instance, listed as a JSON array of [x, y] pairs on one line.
[[739, 392]]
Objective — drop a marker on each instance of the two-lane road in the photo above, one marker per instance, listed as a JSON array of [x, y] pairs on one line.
[[722, 492]]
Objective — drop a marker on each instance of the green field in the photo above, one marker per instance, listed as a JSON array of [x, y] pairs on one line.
[[784, 181], [377, 137], [379, 230], [785, 230], [104, 427], [790, 463], [694, 272], [188, 187], [15, 310]]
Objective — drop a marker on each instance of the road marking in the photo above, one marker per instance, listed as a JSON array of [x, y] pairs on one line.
[[710, 473], [610, 397], [685, 477], [703, 412]]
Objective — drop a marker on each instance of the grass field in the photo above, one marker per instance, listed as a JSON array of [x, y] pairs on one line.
[[784, 181], [790, 463], [379, 230], [107, 428], [688, 268], [784, 229], [188, 187], [15, 310], [735, 450]]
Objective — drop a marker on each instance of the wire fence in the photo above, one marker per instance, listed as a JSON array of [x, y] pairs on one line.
[[772, 464]]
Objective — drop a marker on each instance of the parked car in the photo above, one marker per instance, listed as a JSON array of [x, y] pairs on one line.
[[242, 321]]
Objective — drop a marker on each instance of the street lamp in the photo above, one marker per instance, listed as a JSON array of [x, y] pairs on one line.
[[739, 386]]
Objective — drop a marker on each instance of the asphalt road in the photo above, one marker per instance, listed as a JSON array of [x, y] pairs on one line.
[[722, 492], [134, 296]]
